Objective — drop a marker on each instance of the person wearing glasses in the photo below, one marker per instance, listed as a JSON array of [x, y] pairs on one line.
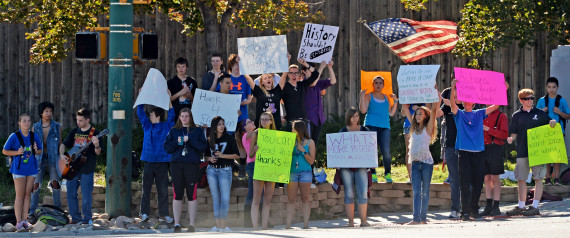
[[470, 144], [527, 117]]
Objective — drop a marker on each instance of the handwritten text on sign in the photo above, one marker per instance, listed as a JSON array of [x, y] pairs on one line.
[[208, 104], [546, 145], [416, 84], [481, 86], [318, 42], [265, 54], [273, 158], [356, 149]]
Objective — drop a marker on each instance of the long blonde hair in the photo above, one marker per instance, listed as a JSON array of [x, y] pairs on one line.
[[415, 124]]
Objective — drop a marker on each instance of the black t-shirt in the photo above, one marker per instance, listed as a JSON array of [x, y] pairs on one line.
[[362, 128], [521, 122], [293, 98], [77, 137], [264, 102], [175, 85], [451, 129], [208, 80], [226, 145]]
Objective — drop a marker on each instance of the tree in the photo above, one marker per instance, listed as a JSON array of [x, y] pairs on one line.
[[55, 22], [487, 25]]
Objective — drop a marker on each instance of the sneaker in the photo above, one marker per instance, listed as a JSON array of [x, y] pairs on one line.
[[475, 215], [465, 217], [409, 182], [453, 214], [495, 211], [191, 229], [20, 226], [26, 225], [446, 181], [531, 211], [487, 211], [515, 211], [166, 219], [313, 185], [547, 181], [177, 228], [144, 217], [389, 178], [215, 229], [557, 182], [227, 229]]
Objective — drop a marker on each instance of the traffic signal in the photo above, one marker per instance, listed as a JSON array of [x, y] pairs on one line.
[[148, 46], [90, 45]]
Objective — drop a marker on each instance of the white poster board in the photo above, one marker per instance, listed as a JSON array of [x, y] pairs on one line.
[[318, 43], [208, 104], [154, 91], [264, 54], [356, 149], [416, 84]]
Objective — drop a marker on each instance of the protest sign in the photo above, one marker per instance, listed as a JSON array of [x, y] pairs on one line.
[[273, 158], [356, 149], [264, 54], [546, 145], [154, 91], [208, 104], [317, 44], [481, 86], [366, 82], [416, 84]]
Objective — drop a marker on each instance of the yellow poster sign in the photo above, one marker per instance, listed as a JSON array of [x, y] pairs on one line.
[[273, 158], [546, 145]]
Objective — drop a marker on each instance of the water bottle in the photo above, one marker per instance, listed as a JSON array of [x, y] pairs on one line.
[[374, 178]]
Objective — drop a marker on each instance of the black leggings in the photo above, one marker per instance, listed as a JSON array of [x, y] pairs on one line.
[[185, 176]]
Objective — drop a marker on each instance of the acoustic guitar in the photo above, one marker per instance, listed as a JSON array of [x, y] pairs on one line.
[[69, 168]]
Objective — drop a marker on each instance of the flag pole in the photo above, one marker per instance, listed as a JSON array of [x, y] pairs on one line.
[[384, 43]]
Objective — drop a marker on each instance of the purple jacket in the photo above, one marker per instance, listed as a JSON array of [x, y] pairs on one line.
[[314, 102]]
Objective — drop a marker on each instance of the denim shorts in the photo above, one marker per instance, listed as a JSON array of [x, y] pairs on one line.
[[23, 176], [301, 177]]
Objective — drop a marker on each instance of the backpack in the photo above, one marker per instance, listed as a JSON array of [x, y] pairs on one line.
[[7, 215], [23, 144], [556, 104], [51, 215]]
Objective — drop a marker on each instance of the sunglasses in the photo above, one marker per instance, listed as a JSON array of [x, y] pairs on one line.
[[528, 98], [294, 73]]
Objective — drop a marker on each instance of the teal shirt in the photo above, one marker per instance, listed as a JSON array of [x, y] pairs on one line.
[[378, 114], [298, 157]]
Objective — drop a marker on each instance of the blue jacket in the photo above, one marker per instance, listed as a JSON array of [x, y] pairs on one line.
[[154, 136], [195, 145], [53, 141]]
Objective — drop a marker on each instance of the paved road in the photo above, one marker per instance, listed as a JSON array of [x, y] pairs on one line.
[[554, 222]]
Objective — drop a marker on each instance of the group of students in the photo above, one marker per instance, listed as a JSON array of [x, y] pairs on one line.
[[472, 142]]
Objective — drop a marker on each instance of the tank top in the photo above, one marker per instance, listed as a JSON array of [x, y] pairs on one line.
[[299, 158], [419, 147], [378, 113]]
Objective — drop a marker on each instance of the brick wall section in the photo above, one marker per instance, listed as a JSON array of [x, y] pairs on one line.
[[325, 202]]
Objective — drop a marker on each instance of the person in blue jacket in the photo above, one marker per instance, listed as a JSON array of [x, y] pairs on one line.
[[185, 143], [156, 159]]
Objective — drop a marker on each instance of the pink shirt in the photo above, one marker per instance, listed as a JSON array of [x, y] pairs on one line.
[[246, 144]]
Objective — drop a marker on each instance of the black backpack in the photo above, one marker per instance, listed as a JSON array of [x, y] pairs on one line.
[[51, 215], [7, 215], [556, 104], [23, 144]]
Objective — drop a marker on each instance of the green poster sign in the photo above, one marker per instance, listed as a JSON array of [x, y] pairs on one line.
[[546, 145], [273, 158]]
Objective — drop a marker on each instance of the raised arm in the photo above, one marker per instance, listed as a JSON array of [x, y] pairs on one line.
[[406, 112], [431, 123], [452, 104], [364, 101], [394, 106], [331, 72], [249, 81]]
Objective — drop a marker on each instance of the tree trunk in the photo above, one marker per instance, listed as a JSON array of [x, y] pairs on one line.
[[216, 32]]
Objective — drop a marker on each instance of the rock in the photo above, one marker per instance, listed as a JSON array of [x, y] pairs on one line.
[[8, 227], [162, 227], [98, 227], [39, 227], [153, 220], [64, 229], [68, 226], [73, 228], [104, 216], [119, 224], [131, 226], [125, 220], [137, 220]]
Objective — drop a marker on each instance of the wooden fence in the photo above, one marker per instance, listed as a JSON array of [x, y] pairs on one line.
[[71, 84]]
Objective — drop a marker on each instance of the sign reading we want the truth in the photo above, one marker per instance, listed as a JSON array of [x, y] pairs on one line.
[[318, 43], [274, 156], [356, 149], [546, 145]]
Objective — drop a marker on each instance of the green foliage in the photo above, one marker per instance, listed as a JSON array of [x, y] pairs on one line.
[[414, 5]]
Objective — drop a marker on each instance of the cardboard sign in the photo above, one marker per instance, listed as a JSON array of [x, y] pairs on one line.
[[366, 82], [265, 54], [481, 86], [355, 149], [416, 84], [208, 104], [318, 43], [154, 91], [274, 156], [546, 145]]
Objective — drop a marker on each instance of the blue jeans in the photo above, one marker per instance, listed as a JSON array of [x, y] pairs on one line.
[[86, 183], [56, 193], [349, 180], [249, 170], [451, 157], [421, 180], [383, 140], [220, 182]]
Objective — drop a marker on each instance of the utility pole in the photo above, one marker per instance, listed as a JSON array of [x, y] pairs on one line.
[[120, 113]]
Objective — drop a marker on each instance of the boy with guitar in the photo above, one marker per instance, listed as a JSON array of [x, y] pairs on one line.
[[80, 136]]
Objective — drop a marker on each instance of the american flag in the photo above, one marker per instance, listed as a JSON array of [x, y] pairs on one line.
[[412, 40]]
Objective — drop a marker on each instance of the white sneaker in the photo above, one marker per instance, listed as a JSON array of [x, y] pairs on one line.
[[313, 185], [453, 214], [227, 229], [144, 217], [168, 219], [215, 229]]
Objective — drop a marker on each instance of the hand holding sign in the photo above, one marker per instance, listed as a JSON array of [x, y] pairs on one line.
[[265, 54], [318, 42], [274, 155], [209, 104], [416, 84], [546, 145], [481, 86], [355, 149]]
